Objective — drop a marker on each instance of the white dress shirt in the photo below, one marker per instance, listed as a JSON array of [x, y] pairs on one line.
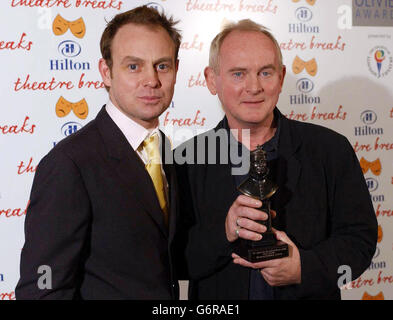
[[135, 135]]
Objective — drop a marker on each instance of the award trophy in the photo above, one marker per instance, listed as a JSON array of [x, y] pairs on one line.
[[259, 187]]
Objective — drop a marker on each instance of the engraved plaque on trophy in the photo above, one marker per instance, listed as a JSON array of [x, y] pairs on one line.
[[258, 186]]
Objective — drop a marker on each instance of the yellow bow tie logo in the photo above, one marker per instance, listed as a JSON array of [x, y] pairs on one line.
[[375, 166], [311, 66], [310, 2], [379, 296], [61, 25], [64, 107]]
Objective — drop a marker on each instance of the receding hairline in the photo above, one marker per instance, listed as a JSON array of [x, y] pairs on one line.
[[244, 25]]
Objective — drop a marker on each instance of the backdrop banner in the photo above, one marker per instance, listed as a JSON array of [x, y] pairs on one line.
[[339, 60]]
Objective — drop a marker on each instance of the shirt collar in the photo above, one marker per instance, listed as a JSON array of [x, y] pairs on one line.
[[270, 145], [133, 131]]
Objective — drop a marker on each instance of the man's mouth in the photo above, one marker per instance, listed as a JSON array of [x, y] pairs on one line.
[[253, 102], [150, 99]]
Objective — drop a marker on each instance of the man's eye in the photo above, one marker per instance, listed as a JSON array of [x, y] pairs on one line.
[[162, 66], [265, 73], [238, 74], [133, 67]]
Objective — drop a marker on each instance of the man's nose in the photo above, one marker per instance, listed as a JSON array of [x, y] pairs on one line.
[[151, 78], [253, 84]]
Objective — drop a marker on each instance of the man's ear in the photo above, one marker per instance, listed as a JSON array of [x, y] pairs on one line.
[[210, 77], [105, 72]]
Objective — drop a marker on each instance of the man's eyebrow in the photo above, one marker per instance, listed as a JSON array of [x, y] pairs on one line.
[[131, 58], [269, 66], [139, 60], [164, 59], [237, 69]]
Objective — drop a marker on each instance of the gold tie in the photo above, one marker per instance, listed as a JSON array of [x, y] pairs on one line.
[[153, 166]]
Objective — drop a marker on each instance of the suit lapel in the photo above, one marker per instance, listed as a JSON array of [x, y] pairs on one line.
[[288, 166], [130, 169], [169, 169], [222, 174]]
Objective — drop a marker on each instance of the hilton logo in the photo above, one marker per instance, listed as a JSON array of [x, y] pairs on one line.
[[368, 117], [377, 265], [303, 14], [68, 49], [305, 85], [1, 277], [368, 131], [303, 99], [372, 184], [155, 5], [70, 128], [64, 65]]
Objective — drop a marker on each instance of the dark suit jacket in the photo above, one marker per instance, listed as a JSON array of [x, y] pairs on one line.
[[323, 205], [95, 220]]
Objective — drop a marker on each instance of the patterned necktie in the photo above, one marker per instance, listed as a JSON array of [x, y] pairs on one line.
[[153, 166]]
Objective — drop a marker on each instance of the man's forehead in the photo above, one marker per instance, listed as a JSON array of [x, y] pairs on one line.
[[241, 37], [136, 39], [247, 47]]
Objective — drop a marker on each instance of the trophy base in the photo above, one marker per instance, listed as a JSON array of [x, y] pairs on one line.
[[263, 253]]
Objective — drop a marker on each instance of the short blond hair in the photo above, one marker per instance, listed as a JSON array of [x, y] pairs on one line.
[[242, 25]]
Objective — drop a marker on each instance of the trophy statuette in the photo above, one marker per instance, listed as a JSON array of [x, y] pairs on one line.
[[259, 187]]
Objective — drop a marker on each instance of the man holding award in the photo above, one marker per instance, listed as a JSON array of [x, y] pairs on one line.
[[301, 179]]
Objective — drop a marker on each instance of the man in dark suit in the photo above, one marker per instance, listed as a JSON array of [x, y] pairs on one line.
[[102, 212], [323, 208]]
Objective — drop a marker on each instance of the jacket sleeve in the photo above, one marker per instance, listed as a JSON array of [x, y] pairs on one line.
[[352, 235], [56, 228]]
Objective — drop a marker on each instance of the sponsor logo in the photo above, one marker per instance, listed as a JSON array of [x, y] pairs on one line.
[[368, 117], [1, 277], [68, 64], [372, 184], [374, 166], [380, 233], [69, 48], [368, 131], [303, 99], [378, 198], [156, 6], [372, 13], [64, 107], [70, 127], [304, 85], [299, 65], [379, 61], [61, 25], [303, 15], [367, 296], [377, 265]]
